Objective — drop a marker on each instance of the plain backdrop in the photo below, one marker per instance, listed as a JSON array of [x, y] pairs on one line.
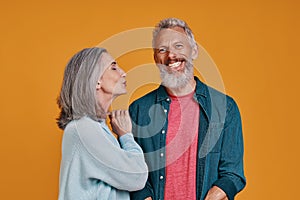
[[254, 44]]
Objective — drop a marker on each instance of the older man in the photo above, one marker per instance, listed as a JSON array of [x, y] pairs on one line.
[[191, 134]]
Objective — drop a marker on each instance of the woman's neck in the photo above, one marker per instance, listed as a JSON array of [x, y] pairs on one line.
[[105, 103]]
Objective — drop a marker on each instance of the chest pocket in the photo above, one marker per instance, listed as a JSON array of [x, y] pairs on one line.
[[213, 139]]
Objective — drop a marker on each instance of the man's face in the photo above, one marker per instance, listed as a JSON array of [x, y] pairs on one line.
[[173, 55]]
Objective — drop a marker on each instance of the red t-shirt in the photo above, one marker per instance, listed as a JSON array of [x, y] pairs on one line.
[[181, 149]]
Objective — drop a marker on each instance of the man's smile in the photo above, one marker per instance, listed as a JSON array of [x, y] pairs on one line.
[[176, 65]]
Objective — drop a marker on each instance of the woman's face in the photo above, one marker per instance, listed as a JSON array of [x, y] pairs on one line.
[[112, 82]]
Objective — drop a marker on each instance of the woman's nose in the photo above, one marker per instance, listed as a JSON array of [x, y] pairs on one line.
[[122, 73]]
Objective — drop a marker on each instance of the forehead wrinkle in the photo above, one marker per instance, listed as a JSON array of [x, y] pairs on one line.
[[168, 37]]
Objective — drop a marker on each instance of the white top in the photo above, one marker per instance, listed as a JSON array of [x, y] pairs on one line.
[[96, 166]]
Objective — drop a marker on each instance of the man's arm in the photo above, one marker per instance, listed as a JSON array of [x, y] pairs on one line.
[[231, 169], [147, 191]]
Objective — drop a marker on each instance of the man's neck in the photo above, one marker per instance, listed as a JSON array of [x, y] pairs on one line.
[[183, 90]]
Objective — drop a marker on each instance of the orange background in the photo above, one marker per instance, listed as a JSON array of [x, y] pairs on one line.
[[254, 44]]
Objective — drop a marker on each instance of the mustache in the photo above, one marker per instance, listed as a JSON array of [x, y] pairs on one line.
[[175, 60]]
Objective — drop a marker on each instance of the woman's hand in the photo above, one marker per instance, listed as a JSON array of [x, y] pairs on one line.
[[120, 122]]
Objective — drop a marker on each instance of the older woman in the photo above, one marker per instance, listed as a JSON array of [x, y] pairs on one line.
[[95, 165]]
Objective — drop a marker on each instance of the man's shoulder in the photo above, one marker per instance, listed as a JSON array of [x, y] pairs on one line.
[[217, 100], [148, 98], [213, 93]]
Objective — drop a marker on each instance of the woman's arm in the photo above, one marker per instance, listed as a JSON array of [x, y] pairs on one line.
[[124, 169]]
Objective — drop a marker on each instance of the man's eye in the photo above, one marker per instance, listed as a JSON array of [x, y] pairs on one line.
[[179, 46], [162, 50]]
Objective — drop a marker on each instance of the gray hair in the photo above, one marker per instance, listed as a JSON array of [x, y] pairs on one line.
[[78, 92], [171, 23]]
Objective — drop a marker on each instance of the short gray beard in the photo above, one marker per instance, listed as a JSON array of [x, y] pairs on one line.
[[172, 81]]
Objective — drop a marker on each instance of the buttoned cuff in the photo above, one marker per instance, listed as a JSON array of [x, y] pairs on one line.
[[227, 186]]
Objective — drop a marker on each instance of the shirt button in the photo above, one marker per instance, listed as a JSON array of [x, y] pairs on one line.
[[163, 131], [165, 110], [161, 154], [168, 99], [161, 177]]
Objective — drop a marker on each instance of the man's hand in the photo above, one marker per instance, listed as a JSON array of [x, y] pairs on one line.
[[216, 193], [148, 198]]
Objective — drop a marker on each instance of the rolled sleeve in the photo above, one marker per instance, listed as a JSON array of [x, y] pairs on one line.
[[231, 169]]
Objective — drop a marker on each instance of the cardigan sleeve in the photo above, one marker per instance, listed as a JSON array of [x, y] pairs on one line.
[[123, 168]]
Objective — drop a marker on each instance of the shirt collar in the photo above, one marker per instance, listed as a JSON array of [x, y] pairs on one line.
[[201, 96], [161, 94], [201, 90]]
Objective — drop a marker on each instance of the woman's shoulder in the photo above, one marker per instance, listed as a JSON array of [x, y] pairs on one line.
[[80, 124], [85, 120]]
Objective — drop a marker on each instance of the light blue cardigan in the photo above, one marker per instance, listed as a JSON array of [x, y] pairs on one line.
[[96, 166]]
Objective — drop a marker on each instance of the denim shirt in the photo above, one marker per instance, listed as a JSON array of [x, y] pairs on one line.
[[220, 141]]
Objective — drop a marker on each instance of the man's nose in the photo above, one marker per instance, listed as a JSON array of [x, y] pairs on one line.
[[172, 53]]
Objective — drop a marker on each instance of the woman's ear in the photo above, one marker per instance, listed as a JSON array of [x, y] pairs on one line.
[[98, 86]]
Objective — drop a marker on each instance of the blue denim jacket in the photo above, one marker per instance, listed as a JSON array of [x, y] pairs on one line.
[[220, 141]]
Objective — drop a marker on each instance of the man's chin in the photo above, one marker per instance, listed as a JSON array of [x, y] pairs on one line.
[[175, 81]]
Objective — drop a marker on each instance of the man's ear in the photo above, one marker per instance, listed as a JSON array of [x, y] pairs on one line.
[[195, 52], [154, 56]]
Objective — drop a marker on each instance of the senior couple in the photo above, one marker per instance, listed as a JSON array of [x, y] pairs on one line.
[[181, 141]]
